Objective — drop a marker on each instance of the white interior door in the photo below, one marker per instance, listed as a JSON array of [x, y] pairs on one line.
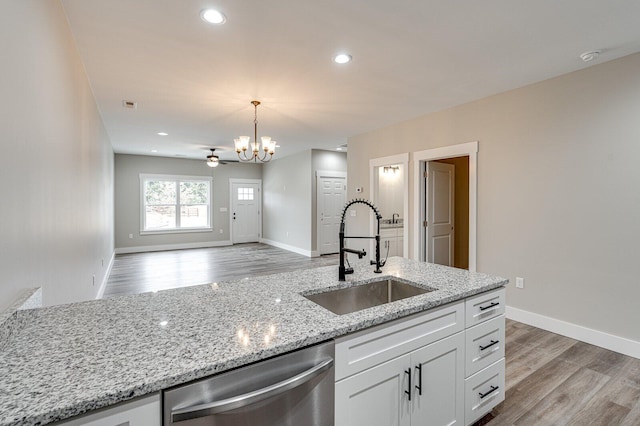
[[440, 213], [245, 212], [331, 198]]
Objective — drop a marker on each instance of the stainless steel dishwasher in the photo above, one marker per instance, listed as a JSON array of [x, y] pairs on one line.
[[289, 390]]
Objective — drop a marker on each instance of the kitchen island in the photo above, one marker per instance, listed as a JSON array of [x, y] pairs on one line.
[[72, 359]]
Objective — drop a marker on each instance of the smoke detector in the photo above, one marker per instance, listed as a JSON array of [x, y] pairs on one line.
[[590, 56]]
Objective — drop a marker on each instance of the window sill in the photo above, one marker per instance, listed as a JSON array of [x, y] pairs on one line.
[[176, 231]]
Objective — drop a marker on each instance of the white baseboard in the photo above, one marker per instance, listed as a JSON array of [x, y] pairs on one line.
[[163, 247], [105, 278], [604, 340], [288, 247]]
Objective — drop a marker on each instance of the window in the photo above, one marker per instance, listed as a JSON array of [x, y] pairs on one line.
[[175, 203], [245, 194]]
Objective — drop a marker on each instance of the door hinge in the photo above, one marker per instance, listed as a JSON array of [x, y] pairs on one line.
[[425, 223], [426, 174]]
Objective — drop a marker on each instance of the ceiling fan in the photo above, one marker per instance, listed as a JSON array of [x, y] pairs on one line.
[[213, 160]]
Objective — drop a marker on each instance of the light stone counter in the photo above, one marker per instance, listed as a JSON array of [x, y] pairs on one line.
[[70, 359]]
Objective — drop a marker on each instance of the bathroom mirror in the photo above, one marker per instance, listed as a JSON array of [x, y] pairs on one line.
[[389, 192]]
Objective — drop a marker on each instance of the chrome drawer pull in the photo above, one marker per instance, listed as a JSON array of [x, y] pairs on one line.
[[484, 308], [493, 388], [493, 342]]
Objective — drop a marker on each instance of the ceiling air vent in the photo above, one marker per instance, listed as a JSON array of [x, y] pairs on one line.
[[130, 104]]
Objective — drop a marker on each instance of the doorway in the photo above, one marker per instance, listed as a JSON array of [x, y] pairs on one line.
[[388, 179], [246, 206], [462, 213], [331, 197]]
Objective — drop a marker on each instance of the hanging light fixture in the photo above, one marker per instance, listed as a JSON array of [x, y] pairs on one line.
[[242, 143]]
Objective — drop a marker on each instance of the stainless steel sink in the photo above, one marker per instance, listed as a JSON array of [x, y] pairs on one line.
[[356, 298]]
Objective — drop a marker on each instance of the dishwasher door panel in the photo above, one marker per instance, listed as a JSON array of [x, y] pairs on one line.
[[289, 390]]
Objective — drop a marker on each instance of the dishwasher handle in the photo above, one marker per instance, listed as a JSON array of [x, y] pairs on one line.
[[239, 401]]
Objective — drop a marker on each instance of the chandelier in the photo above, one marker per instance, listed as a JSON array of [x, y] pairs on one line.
[[242, 143]]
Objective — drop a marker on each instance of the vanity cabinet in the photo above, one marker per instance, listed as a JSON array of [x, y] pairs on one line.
[[428, 369], [140, 412], [391, 239]]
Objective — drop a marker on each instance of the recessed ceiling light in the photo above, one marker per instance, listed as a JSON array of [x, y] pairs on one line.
[[342, 58], [163, 134], [590, 56], [213, 16]]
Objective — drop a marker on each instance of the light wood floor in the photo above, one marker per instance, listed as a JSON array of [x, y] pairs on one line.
[[550, 379]]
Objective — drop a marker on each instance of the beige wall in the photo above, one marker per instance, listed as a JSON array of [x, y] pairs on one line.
[[461, 214], [56, 165], [558, 179], [290, 197], [287, 201], [127, 197]]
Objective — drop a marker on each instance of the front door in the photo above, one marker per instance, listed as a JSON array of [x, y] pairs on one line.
[[331, 193], [440, 212], [245, 212]]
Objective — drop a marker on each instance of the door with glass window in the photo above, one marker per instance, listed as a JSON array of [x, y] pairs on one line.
[[246, 217]]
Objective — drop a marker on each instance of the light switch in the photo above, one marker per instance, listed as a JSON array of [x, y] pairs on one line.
[[352, 213]]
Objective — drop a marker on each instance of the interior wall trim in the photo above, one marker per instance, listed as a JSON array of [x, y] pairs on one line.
[[105, 278], [604, 340], [308, 253], [163, 247]]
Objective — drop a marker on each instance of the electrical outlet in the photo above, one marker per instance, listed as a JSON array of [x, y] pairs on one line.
[[519, 282], [130, 235], [221, 230]]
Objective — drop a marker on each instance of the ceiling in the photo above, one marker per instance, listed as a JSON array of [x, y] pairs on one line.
[[195, 81]]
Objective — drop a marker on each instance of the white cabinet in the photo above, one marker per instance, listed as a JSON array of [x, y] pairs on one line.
[[412, 389], [391, 241], [375, 396], [484, 359], [140, 412], [409, 371], [426, 369]]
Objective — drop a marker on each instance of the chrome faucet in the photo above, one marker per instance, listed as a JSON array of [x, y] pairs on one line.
[[342, 271], [393, 217]]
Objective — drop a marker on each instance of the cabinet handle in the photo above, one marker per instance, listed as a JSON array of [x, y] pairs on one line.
[[484, 308], [493, 342], [489, 392], [419, 385], [408, 372]]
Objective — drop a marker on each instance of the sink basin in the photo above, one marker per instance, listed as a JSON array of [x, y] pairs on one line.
[[356, 298]]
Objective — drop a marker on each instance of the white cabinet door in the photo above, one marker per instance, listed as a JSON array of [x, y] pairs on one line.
[[375, 397], [438, 383]]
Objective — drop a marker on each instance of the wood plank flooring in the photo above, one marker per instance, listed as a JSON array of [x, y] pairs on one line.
[[550, 379], [141, 272], [555, 380]]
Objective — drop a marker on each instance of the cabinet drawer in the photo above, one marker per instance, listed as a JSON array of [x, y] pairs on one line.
[[484, 306], [140, 412], [484, 345], [483, 391], [359, 351]]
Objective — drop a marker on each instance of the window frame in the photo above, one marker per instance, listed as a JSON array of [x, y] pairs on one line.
[[144, 177]]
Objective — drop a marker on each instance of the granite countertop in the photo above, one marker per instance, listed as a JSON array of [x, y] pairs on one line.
[[70, 359]]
